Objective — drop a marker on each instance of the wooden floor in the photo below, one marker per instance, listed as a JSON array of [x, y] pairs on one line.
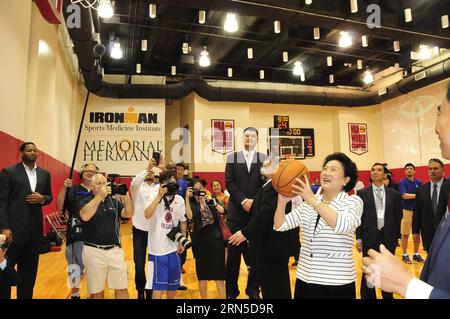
[[51, 281]]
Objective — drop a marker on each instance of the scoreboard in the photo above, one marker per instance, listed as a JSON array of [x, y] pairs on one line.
[[296, 143]]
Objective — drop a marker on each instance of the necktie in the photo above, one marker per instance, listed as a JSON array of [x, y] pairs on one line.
[[434, 196], [380, 207]]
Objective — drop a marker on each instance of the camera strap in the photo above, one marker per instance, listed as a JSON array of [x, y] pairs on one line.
[[168, 202]]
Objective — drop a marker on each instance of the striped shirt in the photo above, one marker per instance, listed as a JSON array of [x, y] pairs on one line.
[[326, 254]]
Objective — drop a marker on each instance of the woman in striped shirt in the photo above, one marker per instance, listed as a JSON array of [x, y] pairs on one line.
[[328, 220]]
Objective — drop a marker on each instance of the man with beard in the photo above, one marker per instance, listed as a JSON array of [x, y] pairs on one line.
[[24, 189]]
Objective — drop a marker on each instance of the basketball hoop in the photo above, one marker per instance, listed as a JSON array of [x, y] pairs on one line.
[[94, 4]]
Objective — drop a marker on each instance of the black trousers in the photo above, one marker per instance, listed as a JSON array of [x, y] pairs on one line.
[[26, 257], [233, 266], [304, 290], [140, 238], [275, 282], [370, 293]]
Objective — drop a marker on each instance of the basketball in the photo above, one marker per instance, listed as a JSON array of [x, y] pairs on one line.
[[286, 174]]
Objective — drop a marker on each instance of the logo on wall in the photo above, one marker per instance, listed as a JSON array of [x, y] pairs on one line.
[[222, 136], [358, 142]]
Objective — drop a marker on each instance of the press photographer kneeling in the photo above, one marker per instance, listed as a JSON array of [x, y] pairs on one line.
[[102, 253], [166, 212]]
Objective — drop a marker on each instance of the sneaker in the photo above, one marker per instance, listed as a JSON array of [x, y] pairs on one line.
[[405, 259], [182, 287], [418, 258]]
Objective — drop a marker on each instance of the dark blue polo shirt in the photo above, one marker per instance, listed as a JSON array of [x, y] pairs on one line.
[[406, 186]]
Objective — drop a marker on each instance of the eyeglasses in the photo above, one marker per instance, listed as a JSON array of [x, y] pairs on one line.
[[90, 172]]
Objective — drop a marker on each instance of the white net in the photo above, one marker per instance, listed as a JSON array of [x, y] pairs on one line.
[[87, 3]]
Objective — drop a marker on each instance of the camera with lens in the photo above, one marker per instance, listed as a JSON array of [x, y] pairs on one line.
[[211, 202], [172, 188], [3, 244], [177, 236], [197, 192], [120, 189], [76, 225]]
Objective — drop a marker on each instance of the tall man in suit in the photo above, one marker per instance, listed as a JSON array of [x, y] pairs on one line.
[[243, 180], [24, 189], [431, 203], [385, 271], [271, 249], [380, 221]]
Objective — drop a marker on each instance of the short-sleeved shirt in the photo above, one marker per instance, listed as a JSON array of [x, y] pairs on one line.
[[104, 227], [406, 186], [162, 221], [75, 195], [183, 185]]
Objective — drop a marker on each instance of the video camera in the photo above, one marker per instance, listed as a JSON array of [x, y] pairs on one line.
[[177, 236], [120, 189], [172, 188]]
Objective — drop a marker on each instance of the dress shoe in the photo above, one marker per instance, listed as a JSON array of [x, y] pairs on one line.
[[141, 295], [148, 293], [418, 258]]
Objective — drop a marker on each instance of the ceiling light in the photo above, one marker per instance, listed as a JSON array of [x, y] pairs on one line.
[[185, 48], [116, 52], [444, 21], [138, 68], [261, 74], [345, 40], [152, 10], [144, 45], [202, 16], [105, 9], [285, 56], [331, 78], [204, 59], [230, 72], [396, 46], [354, 6], [231, 24], [277, 26], [359, 64], [424, 52], [308, 2], [365, 41], [329, 61], [408, 15], [298, 68], [368, 77], [316, 33], [173, 70], [250, 53]]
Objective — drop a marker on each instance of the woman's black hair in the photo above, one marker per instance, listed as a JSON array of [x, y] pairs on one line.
[[350, 169], [193, 181]]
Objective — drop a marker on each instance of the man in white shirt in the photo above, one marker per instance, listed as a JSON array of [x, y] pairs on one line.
[[143, 192], [165, 212], [385, 271]]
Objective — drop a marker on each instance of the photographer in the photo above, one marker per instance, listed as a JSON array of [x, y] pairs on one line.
[[165, 213], [208, 244], [143, 191], [74, 241], [102, 253], [8, 276]]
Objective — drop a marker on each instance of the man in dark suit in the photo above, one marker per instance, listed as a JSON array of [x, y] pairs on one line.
[[380, 221], [431, 203], [243, 180], [385, 271], [24, 189], [8, 276], [271, 249]]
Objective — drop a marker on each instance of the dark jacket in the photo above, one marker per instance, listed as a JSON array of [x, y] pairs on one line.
[[265, 242], [8, 278], [24, 219], [241, 184], [368, 231], [424, 222]]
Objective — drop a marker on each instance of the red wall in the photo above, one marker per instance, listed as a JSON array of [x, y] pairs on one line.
[[59, 171]]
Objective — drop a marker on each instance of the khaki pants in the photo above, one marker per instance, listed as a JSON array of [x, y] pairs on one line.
[[406, 227]]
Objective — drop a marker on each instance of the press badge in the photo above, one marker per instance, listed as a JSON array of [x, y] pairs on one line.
[[380, 213]]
